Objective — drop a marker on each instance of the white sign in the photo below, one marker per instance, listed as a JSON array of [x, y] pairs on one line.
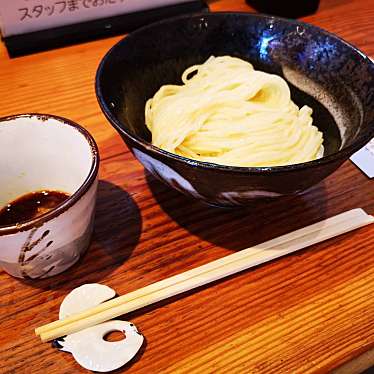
[[364, 159], [24, 16]]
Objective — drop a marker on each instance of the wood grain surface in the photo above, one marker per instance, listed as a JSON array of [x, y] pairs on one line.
[[308, 312]]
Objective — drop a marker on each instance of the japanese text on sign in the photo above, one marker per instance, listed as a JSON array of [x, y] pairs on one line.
[[59, 7], [23, 16]]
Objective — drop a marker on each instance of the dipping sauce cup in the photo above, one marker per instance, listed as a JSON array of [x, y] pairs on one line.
[[40, 152]]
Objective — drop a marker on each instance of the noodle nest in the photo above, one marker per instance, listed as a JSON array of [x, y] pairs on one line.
[[228, 113]]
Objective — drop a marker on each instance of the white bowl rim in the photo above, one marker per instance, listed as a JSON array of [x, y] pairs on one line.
[[71, 200]]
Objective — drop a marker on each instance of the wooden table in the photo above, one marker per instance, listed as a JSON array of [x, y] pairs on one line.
[[305, 313]]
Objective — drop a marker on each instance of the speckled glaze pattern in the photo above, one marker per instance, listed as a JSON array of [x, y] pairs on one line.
[[323, 71]]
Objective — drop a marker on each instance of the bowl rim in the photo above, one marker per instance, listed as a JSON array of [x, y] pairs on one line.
[[73, 198], [341, 154]]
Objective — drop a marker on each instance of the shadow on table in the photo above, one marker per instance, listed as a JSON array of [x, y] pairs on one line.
[[117, 230], [238, 228]]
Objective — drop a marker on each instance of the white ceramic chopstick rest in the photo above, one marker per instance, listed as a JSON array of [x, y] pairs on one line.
[[92, 352], [88, 346], [84, 297]]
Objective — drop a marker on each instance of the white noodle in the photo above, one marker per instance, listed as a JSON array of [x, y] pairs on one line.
[[228, 113]]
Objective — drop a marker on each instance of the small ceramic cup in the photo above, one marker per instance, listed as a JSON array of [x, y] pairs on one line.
[[44, 152]]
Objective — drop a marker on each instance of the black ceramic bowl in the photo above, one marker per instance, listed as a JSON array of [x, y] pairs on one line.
[[323, 71]]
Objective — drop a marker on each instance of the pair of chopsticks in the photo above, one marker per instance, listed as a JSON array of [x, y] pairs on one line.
[[207, 273]]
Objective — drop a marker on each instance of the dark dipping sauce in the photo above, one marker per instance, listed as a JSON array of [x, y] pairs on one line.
[[30, 206]]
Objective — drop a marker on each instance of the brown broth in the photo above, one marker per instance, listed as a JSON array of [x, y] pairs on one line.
[[30, 206]]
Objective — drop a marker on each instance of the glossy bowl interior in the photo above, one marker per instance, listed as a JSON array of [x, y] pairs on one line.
[[323, 71], [56, 155]]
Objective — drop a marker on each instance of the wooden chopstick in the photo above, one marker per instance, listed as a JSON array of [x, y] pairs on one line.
[[207, 273]]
